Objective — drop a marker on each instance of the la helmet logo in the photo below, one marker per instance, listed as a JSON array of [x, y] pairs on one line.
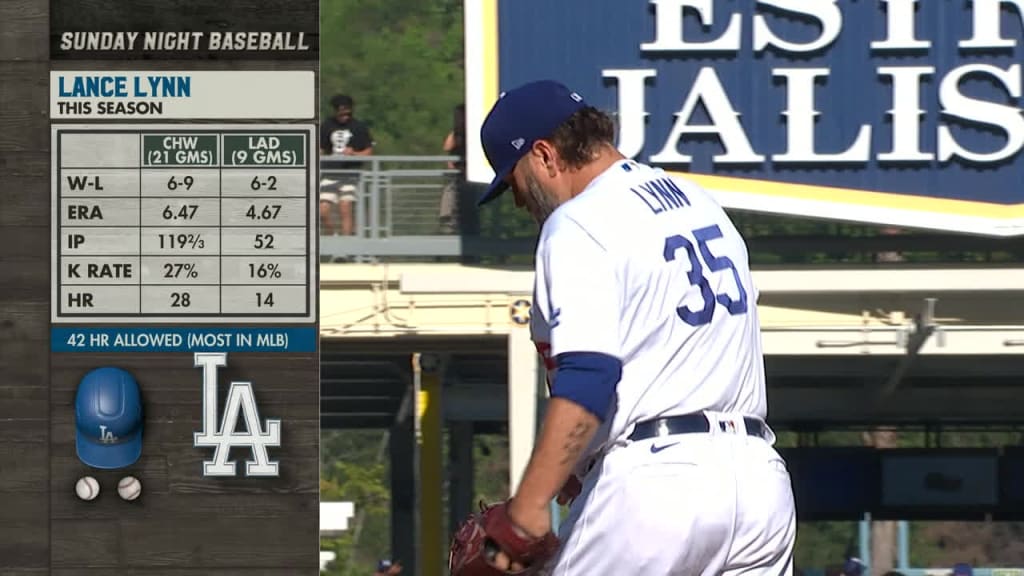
[[518, 143], [106, 436], [240, 403], [576, 97]]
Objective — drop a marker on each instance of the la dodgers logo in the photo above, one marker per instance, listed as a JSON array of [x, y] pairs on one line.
[[240, 403], [105, 436]]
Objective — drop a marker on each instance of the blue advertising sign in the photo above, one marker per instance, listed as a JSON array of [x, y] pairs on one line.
[[899, 112]]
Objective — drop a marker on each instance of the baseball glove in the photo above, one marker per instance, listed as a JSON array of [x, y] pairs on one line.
[[481, 536]]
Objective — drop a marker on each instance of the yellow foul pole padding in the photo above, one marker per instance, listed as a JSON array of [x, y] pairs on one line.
[[429, 437]]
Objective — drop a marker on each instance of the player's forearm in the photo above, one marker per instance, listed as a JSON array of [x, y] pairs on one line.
[[568, 429]]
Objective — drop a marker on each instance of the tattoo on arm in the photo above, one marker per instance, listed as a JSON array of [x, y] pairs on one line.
[[575, 443]]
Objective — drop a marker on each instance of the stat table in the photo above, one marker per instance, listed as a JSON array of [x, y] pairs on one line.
[[184, 223]]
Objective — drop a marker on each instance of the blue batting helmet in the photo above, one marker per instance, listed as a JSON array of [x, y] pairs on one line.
[[108, 419]]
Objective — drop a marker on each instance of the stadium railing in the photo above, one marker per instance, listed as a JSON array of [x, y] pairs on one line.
[[398, 206]]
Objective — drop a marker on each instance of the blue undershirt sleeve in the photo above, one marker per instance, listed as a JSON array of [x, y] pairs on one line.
[[588, 379]]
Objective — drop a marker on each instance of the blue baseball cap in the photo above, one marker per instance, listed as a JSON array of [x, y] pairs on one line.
[[962, 569], [519, 118], [383, 565], [108, 419], [853, 567]]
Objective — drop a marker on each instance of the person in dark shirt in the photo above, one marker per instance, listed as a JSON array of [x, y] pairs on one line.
[[455, 142], [458, 213], [454, 145], [342, 135]]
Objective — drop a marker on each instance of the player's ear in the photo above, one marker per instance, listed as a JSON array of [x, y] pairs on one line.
[[548, 157]]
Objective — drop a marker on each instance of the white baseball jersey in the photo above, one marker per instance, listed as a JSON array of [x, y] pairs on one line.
[[649, 269]]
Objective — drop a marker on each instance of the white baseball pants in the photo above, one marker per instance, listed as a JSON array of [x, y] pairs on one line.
[[710, 504]]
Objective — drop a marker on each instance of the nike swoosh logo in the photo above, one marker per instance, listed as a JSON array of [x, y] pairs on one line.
[[656, 449]]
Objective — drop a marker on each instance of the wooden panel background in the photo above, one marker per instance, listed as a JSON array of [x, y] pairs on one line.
[[184, 520], [24, 289], [183, 524]]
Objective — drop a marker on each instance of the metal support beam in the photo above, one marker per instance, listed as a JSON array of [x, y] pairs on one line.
[[428, 369], [403, 491], [970, 402], [522, 402], [923, 328], [864, 535], [827, 398], [903, 548], [460, 472]]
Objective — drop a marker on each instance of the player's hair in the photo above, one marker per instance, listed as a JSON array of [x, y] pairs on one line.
[[342, 100], [580, 138]]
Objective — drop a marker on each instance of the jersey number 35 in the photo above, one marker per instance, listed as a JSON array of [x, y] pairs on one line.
[[696, 275]]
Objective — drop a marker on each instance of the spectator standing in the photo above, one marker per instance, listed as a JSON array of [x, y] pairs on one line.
[[342, 135], [388, 568], [889, 256], [853, 567], [458, 214], [454, 145]]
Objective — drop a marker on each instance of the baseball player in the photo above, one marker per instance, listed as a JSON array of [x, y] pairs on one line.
[[645, 313]]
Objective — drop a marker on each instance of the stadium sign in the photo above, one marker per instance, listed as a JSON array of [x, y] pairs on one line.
[[899, 112]]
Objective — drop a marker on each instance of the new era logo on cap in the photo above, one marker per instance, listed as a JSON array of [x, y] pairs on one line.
[[519, 118]]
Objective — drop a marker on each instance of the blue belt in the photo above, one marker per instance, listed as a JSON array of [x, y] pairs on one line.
[[696, 423]]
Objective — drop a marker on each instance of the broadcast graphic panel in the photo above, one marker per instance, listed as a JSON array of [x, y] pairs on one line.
[[160, 340], [211, 224]]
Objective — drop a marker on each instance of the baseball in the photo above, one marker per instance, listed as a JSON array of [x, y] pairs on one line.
[[87, 488], [129, 488]]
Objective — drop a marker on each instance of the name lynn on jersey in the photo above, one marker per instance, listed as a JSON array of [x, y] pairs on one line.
[[240, 403], [660, 195]]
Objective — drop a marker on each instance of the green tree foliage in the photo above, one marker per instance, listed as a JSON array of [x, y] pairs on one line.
[[819, 544], [354, 469], [490, 480], [401, 60]]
